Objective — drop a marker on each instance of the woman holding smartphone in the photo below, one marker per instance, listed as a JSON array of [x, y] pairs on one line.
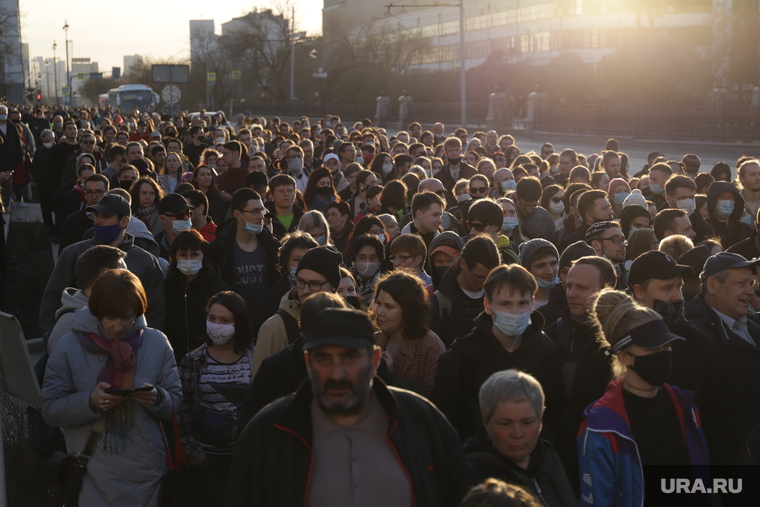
[[215, 378]]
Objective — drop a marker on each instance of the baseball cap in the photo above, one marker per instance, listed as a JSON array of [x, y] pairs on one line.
[[725, 260], [173, 203], [330, 156], [649, 336], [657, 265], [339, 326], [447, 242], [155, 133], [110, 205], [696, 258]]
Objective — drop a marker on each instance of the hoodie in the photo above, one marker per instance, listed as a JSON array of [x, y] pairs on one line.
[[72, 299], [71, 375], [734, 230], [274, 334]]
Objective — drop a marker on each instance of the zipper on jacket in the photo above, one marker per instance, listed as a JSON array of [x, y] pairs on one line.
[[538, 490]]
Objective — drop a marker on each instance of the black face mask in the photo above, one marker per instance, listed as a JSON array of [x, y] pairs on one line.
[[353, 301], [455, 160], [654, 368], [671, 312], [126, 184], [440, 271], [324, 191]]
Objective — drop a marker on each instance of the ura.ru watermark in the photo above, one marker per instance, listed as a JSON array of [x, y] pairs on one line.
[[700, 486]]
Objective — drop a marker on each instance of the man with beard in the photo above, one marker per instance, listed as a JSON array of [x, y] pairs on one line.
[[344, 437]]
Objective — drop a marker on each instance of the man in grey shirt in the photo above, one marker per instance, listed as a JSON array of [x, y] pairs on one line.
[[344, 437]]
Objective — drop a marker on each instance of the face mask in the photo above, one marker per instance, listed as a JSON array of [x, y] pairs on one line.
[[670, 312], [126, 184], [381, 237], [353, 301], [547, 286], [189, 267], [511, 324], [219, 140], [620, 198], [630, 231], [367, 269], [455, 160], [295, 165], [292, 274], [211, 166], [3, 117], [360, 160], [253, 229], [181, 225], [107, 233], [58, 124], [748, 220], [508, 185], [557, 207], [387, 168], [654, 368], [463, 197], [508, 225], [724, 208], [655, 188], [47, 145], [220, 333], [320, 240], [325, 191], [688, 205]]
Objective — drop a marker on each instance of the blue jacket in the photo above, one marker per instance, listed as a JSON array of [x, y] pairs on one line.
[[611, 472]]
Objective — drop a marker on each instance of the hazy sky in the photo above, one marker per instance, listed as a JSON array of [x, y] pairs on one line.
[[106, 31]]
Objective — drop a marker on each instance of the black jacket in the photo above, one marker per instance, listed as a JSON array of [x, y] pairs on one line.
[[273, 457], [553, 308], [544, 478], [74, 227], [40, 172], [737, 361], [476, 356], [185, 324], [222, 253], [702, 228], [449, 325], [11, 152], [578, 235], [747, 247], [734, 230], [278, 229]]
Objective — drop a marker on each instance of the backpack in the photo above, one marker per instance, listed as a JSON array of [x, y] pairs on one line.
[[291, 325], [445, 305]]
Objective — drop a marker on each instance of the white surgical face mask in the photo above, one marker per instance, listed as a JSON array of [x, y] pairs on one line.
[[219, 140], [181, 225], [387, 168], [557, 207], [47, 145], [688, 205], [189, 267], [360, 160], [367, 269], [463, 197], [220, 333]]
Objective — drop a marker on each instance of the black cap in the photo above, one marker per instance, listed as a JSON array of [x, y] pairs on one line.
[[657, 265], [256, 178], [696, 258], [339, 326], [726, 260], [173, 203], [651, 335], [110, 205], [574, 252]]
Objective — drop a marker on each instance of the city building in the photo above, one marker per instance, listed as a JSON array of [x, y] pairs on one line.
[[130, 61], [11, 64], [202, 40]]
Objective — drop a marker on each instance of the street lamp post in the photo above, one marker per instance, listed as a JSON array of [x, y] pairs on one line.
[[55, 73], [320, 75], [47, 75], [68, 73]]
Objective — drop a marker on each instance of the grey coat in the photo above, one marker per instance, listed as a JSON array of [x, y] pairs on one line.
[[129, 477]]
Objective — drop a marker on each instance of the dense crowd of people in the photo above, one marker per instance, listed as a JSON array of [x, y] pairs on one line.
[[333, 315]]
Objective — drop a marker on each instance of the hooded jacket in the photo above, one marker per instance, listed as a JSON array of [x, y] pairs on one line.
[[275, 333], [734, 230], [72, 299], [130, 476], [448, 324], [554, 307], [539, 224], [273, 460], [611, 470], [476, 356], [544, 478], [142, 264], [278, 229]]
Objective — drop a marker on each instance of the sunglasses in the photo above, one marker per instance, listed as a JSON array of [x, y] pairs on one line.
[[477, 226], [556, 200], [478, 190], [182, 215]]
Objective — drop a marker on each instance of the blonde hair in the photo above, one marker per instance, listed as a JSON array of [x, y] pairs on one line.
[[676, 245], [315, 220], [615, 313]]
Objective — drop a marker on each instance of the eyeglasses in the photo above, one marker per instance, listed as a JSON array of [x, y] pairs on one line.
[[91, 141], [254, 211], [478, 190], [314, 285], [90, 193], [478, 226], [616, 240], [400, 258], [182, 215]]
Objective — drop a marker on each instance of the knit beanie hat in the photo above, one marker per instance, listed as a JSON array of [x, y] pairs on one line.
[[529, 249], [597, 229], [631, 212], [324, 260], [635, 198], [617, 182], [574, 252]]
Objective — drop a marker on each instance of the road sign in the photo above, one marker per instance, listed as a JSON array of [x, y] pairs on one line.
[[171, 94], [65, 90], [80, 76], [171, 73], [211, 76], [175, 109], [236, 75]]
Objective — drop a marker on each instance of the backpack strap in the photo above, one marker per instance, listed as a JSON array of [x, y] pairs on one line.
[[445, 305], [291, 325]]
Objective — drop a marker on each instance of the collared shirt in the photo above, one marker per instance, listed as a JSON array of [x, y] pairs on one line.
[[739, 327], [354, 465]]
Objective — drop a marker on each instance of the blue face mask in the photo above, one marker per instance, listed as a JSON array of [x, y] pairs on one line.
[[181, 225], [508, 225], [748, 220], [320, 240], [292, 274], [253, 229], [620, 198], [508, 185], [547, 286], [106, 233], [511, 324], [655, 188], [724, 208]]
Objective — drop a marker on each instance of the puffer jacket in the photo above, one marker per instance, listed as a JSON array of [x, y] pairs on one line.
[[734, 230], [70, 377]]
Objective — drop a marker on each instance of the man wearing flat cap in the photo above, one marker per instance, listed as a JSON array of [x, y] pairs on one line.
[[722, 313], [344, 437], [655, 280], [608, 241]]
